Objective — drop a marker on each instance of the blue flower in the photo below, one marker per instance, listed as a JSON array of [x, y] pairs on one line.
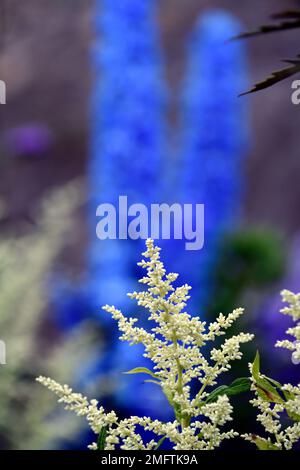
[[214, 141]]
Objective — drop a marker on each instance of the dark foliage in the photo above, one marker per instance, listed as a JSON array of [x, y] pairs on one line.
[[284, 21]]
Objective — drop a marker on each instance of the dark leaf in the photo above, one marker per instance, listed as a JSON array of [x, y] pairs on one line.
[[290, 20], [286, 14], [277, 76]]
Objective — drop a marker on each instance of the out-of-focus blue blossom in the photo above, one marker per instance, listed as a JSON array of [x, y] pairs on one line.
[[133, 393], [72, 303], [213, 143], [128, 132], [127, 146]]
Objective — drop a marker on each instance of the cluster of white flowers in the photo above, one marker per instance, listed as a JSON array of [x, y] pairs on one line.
[[124, 433], [294, 311], [174, 346], [270, 416], [275, 401], [174, 343]]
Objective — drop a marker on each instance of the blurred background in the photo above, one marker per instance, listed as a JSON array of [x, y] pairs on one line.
[[139, 98]]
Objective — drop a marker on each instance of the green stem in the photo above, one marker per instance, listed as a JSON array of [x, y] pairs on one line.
[[204, 385], [184, 419]]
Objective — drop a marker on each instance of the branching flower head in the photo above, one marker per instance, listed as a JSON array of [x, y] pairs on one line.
[[275, 402], [293, 310], [174, 343]]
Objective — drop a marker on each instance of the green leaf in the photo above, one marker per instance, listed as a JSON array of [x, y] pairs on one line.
[[267, 392], [142, 370], [212, 397], [256, 367], [267, 388], [263, 444], [274, 382], [263, 385], [240, 385], [290, 396], [294, 416], [153, 382], [102, 439], [160, 442]]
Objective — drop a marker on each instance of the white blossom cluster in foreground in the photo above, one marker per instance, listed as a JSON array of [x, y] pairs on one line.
[[292, 310], [278, 404], [175, 346]]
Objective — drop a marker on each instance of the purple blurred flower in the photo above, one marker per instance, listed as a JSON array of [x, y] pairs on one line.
[[30, 139]]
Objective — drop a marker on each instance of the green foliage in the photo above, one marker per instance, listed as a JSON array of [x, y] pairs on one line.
[[142, 370], [160, 443], [273, 398], [263, 385], [236, 387], [256, 258], [102, 439], [263, 444], [269, 389]]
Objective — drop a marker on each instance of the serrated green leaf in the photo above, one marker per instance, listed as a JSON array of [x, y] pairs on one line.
[[263, 444], [102, 439], [142, 370]]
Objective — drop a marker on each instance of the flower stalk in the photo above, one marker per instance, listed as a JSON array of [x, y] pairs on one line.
[[175, 347]]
